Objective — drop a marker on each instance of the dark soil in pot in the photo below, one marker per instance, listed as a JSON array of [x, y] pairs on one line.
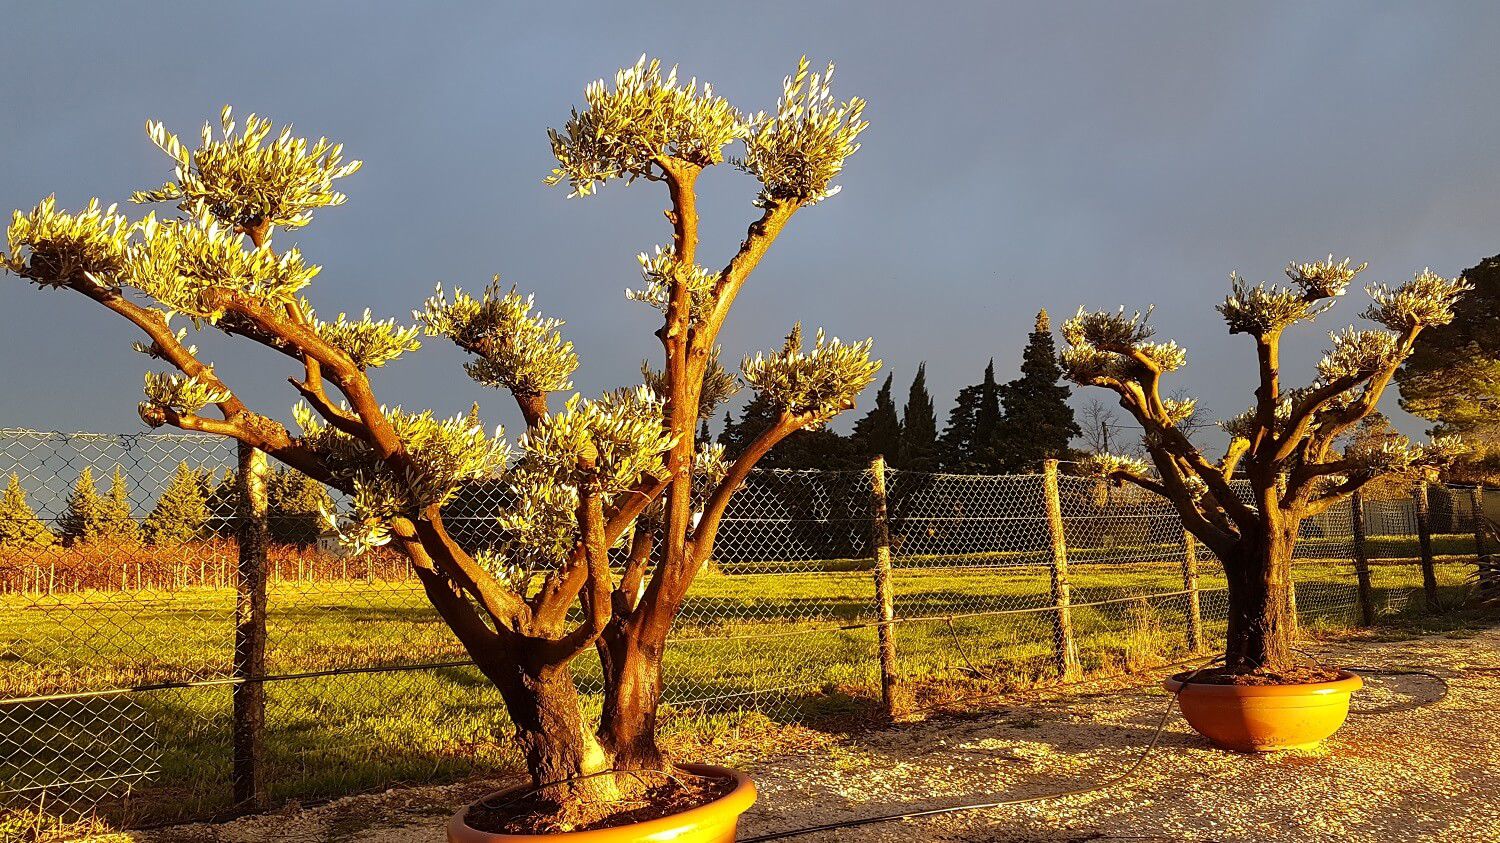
[[1299, 675], [529, 814]]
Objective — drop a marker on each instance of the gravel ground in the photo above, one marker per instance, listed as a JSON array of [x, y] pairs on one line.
[[1410, 765]]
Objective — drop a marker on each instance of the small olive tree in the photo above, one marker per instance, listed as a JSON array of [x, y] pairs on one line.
[[1286, 445], [616, 506]]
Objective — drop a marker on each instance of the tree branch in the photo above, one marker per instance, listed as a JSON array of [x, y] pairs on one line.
[[713, 511]]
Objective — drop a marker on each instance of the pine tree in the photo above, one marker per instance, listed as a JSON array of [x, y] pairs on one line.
[[1038, 423], [19, 526], [118, 524], [879, 432], [918, 451], [956, 445], [83, 521], [181, 513]]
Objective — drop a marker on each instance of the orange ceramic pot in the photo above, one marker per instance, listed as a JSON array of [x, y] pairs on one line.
[[1261, 718], [715, 822]]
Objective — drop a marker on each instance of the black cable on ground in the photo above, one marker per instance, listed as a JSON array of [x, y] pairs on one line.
[[1161, 726], [1107, 782]]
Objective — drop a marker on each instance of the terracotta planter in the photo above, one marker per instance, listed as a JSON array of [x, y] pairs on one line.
[[1261, 718], [714, 822]]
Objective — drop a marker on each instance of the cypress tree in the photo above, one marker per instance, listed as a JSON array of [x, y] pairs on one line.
[[987, 423], [181, 513], [918, 427], [1037, 423], [879, 432], [19, 526], [967, 445]]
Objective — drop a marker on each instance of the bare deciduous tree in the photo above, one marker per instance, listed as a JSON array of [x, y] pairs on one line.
[[588, 473], [1285, 442]]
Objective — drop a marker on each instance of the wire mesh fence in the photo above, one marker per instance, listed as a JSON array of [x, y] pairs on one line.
[[118, 588]]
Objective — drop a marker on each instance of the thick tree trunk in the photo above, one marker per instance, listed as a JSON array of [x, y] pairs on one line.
[[568, 767], [1261, 623], [632, 696]]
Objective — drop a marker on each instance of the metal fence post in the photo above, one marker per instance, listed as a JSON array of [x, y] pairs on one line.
[[1190, 585], [248, 773], [885, 605], [1424, 542], [1476, 513], [1064, 647], [1364, 596]]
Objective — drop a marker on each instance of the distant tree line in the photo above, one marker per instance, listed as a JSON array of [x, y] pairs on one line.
[[193, 505], [993, 427]]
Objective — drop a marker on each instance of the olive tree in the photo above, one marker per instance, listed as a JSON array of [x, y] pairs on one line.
[[616, 507], [1286, 446]]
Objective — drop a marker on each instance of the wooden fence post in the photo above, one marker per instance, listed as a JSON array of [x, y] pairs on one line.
[[1424, 542], [1476, 512], [250, 633], [885, 604], [1190, 585], [1364, 596], [1065, 649]]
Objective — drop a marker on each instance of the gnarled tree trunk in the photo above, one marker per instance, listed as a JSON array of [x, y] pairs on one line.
[[632, 696], [1261, 621]]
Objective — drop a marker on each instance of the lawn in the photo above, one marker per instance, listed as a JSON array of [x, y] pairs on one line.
[[760, 648]]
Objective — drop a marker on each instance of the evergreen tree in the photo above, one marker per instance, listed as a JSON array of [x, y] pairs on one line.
[[19, 526], [956, 445], [967, 445], [294, 506], [118, 523], [83, 521], [820, 448], [757, 416], [181, 513], [918, 427], [222, 500], [879, 432], [1037, 423], [1453, 376], [987, 423]]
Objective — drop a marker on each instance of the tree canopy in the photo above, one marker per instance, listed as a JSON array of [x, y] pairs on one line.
[[1452, 376]]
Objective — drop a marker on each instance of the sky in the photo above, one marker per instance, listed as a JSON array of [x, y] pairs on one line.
[[1019, 156]]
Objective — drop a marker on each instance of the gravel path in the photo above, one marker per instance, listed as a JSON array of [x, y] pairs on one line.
[[1404, 768]]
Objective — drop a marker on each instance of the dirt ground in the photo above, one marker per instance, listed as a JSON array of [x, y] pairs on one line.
[[1410, 765]]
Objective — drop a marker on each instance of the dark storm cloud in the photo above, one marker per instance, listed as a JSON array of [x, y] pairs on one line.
[[1019, 157]]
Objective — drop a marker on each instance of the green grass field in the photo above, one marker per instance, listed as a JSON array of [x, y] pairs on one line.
[[752, 649]]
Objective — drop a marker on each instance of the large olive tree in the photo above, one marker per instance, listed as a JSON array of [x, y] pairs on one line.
[[616, 506], [1286, 446]]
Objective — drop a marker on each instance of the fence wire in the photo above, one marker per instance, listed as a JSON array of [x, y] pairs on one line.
[[118, 585]]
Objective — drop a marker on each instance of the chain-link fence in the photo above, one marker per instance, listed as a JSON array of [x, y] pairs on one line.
[[119, 582]]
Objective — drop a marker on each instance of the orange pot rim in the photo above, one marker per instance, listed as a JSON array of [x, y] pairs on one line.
[[1347, 683], [735, 802]]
